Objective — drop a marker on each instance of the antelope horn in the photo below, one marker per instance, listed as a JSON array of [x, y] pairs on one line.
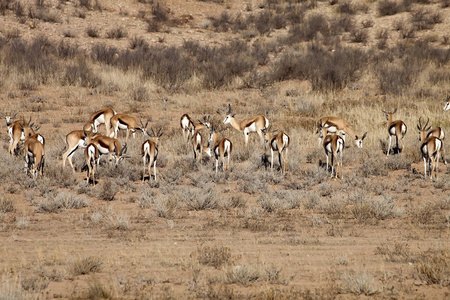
[[146, 123], [420, 124], [426, 123], [153, 132], [395, 110], [13, 116], [229, 109]]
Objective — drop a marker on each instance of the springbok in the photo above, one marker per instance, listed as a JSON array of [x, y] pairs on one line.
[[123, 121], [220, 148], [74, 140], [397, 128], [338, 126], [436, 132], [9, 118], [253, 124], [102, 116], [199, 148], [91, 155], [334, 147], [277, 142], [19, 131], [149, 151], [188, 126], [34, 156], [431, 149], [106, 145]]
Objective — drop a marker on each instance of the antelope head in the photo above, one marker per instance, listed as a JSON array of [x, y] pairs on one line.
[[423, 129], [229, 116]]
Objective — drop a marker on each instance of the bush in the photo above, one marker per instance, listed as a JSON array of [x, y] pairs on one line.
[[360, 283], [433, 266], [116, 33], [6, 205], [86, 265], [80, 74], [200, 199], [388, 8], [213, 256], [243, 275], [92, 32]]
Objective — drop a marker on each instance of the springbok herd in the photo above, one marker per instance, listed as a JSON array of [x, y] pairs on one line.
[[331, 130]]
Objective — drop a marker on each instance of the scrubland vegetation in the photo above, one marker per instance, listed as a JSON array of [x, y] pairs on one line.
[[380, 231]]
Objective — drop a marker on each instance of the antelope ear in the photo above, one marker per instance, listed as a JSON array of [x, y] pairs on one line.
[[356, 137], [233, 115]]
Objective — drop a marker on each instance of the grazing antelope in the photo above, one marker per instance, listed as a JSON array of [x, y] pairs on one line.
[[8, 117], [199, 148], [431, 149], [34, 156], [149, 151], [436, 132], [106, 145], [447, 105], [103, 116], [397, 128], [123, 121], [338, 126], [278, 142], [253, 124], [334, 147], [74, 140], [91, 155], [188, 126], [221, 148]]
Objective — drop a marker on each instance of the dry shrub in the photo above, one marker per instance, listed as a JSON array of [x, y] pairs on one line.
[[43, 14], [424, 18], [34, 283], [423, 215], [116, 33], [200, 199], [92, 32], [269, 203], [64, 200], [388, 8], [80, 74], [6, 205], [243, 275], [103, 53], [358, 35], [213, 256], [360, 283], [66, 50], [86, 265], [165, 206], [108, 190], [395, 79], [399, 252], [433, 266]]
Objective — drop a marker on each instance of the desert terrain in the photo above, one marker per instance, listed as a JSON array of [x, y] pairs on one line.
[[380, 230]]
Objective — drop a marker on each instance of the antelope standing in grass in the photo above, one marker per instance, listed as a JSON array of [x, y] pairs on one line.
[[34, 156], [9, 118], [277, 142], [199, 148], [102, 116], [220, 148], [188, 126], [19, 131], [74, 140], [436, 132], [91, 155], [106, 145], [123, 121], [447, 105], [397, 128], [334, 147], [431, 149], [253, 124], [149, 151], [338, 126]]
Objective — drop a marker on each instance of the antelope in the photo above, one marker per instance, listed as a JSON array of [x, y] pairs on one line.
[[123, 121], [447, 105], [34, 156], [16, 133], [221, 148], [149, 151], [431, 149], [8, 117], [199, 148], [188, 126], [338, 125], [278, 142], [334, 147], [397, 128], [106, 145], [103, 116], [91, 155], [436, 132], [74, 140], [253, 124]]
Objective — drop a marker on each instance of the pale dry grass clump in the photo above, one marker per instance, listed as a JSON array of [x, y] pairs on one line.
[[200, 199], [215, 256], [7, 205], [86, 265], [360, 283], [399, 252], [110, 220], [63, 200], [433, 266]]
